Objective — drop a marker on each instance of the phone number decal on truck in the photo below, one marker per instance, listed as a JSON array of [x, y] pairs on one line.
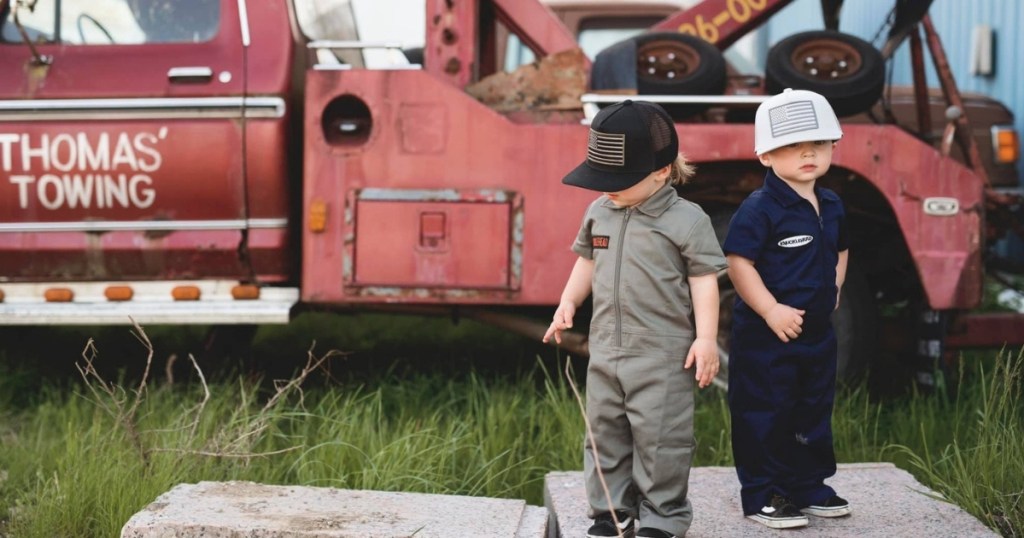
[[737, 11]]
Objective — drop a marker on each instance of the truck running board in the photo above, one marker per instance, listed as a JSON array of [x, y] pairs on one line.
[[153, 303]]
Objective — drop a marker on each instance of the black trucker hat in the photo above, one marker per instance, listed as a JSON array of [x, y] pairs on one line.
[[628, 141]]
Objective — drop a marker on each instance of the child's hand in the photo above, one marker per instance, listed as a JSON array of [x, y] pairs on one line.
[[703, 351], [562, 321], [785, 321]]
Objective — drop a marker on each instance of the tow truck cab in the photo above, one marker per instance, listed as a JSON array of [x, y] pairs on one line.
[[146, 143]]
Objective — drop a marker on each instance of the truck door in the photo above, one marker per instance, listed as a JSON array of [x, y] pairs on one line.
[[121, 140]]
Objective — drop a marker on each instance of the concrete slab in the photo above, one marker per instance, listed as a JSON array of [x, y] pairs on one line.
[[250, 510], [534, 523], [886, 502]]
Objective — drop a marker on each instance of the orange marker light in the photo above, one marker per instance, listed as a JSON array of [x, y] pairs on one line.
[[317, 216], [1005, 144], [1, 296], [245, 292], [118, 293], [59, 295], [185, 293]]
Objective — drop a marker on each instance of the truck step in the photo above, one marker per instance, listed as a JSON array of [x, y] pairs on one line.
[[213, 509], [154, 303]]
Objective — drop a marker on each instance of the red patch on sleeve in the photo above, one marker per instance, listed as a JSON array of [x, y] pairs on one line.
[[599, 241]]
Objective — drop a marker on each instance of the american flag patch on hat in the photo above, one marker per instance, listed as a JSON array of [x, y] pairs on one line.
[[792, 118], [606, 149]]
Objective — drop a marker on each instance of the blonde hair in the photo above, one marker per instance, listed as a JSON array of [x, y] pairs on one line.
[[681, 171]]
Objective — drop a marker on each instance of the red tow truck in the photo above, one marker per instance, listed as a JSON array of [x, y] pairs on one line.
[[204, 162]]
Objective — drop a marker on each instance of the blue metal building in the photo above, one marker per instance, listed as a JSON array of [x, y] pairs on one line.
[[956, 21]]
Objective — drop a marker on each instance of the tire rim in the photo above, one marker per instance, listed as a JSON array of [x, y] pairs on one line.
[[666, 61], [826, 59]]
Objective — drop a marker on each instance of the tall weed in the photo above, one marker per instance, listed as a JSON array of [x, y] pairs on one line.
[[976, 459], [67, 468]]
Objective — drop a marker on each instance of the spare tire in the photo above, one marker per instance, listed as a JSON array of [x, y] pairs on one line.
[[847, 70], [670, 63]]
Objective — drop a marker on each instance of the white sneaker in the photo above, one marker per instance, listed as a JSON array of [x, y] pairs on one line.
[[835, 506], [780, 514]]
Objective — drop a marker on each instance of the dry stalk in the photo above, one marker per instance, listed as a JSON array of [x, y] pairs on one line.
[[198, 412], [283, 388], [235, 442], [593, 445], [169, 369], [113, 398], [226, 454]]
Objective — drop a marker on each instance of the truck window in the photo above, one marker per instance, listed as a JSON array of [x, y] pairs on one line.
[[595, 34], [115, 22]]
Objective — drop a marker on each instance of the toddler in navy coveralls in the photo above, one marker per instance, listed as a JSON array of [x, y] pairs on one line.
[[787, 253]]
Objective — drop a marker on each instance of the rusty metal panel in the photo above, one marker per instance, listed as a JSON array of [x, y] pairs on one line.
[[451, 37], [432, 239], [489, 154], [989, 329]]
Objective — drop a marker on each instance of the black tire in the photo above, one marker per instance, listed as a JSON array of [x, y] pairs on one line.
[[726, 299], [847, 70], [856, 325], [669, 63], [855, 321]]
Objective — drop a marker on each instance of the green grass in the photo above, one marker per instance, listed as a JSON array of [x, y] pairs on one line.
[[69, 468]]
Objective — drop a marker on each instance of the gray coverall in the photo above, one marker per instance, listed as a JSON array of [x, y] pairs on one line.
[[639, 398]]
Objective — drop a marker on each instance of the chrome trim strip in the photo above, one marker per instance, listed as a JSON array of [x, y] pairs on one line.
[[143, 108], [142, 225], [435, 195], [267, 223], [258, 312], [328, 44], [263, 107], [346, 67], [592, 100], [678, 99], [243, 19]]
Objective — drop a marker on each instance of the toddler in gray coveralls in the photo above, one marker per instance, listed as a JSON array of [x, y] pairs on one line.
[[651, 260]]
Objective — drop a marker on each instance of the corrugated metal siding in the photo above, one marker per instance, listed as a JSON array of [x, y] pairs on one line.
[[954, 20]]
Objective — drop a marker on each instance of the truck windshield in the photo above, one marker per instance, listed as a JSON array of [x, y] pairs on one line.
[[594, 36], [597, 34], [107, 22]]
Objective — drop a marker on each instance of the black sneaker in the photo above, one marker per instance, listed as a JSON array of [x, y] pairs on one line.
[[604, 525], [780, 514], [835, 506], [651, 532]]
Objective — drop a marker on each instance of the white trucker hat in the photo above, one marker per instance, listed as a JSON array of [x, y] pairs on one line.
[[794, 116]]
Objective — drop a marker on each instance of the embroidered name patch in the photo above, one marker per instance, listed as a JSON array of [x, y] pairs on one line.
[[599, 241], [795, 241]]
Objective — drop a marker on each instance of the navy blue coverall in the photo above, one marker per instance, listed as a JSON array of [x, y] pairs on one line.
[[781, 394]]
